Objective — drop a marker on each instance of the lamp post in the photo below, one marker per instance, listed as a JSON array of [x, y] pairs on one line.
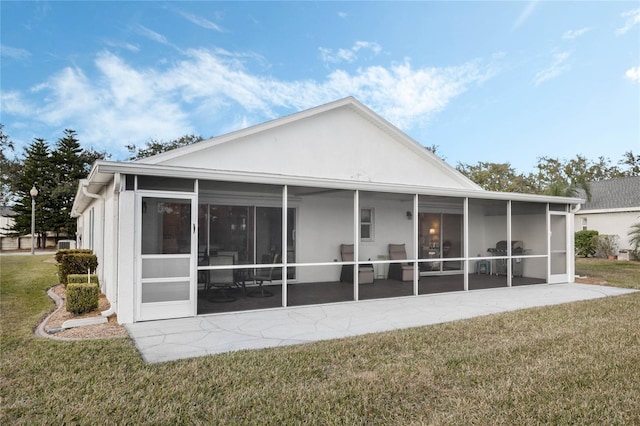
[[34, 194]]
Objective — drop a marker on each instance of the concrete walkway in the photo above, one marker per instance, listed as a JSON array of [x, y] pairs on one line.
[[167, 340]]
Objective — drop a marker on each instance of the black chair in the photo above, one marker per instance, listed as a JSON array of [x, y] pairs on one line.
[[260, 277]]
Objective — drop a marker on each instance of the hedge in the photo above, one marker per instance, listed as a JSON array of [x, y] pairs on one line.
[[63, 252], [75, 262], [82, 278], [82, 297]]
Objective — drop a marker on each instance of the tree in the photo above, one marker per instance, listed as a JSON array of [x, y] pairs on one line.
[[8, 167], [71, 163], [563, 189], [154, 146], [55, 174], [497, 177], [634, 239], [35, 171], [632, 162]]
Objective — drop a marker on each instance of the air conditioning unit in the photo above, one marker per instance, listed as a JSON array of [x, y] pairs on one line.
[[66, 244]]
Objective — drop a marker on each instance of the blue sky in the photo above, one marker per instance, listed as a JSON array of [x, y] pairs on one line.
[[483, 80]]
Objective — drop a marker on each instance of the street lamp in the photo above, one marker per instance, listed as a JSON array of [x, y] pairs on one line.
[[34, 194]]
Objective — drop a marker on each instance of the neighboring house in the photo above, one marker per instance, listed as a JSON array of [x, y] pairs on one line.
[[282, 214], [6, 221], [10, 242], [614, 207]]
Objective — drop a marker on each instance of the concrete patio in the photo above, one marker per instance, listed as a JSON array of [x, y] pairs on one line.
[[167, 340]]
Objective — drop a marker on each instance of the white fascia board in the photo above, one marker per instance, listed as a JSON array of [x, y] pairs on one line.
[[604, 211], [109, 168]]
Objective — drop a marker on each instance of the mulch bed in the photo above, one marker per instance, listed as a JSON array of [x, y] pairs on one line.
[[109, 330]]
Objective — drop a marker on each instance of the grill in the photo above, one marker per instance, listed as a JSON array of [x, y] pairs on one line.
[[500, 250]]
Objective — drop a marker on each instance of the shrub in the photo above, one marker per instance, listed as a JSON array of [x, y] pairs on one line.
[[63, 252], [76, 263], [586, 243], [82, 297], [607, 245], [82, 278]]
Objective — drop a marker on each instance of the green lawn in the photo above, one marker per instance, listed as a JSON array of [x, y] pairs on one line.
[[577, 363], [614, 272]]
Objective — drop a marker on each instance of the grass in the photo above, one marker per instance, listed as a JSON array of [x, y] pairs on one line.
[[576, 363], [615, 272]]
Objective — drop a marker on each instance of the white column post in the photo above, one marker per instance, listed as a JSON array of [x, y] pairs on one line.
[[356, 242], [465, 231], [285, 203]]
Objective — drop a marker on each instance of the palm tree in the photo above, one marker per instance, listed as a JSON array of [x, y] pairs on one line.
[[634, 239], [562, 189]]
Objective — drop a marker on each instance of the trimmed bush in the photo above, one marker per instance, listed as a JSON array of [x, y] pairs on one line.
[[586, 243], [63, 252], [82, 279], [82, 298], [76, 263]]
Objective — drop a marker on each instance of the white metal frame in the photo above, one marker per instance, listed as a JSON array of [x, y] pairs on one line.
[[172, 309]]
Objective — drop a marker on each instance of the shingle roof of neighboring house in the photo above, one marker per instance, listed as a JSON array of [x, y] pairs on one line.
[[614, 194]]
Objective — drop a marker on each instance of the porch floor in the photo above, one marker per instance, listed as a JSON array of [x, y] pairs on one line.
[[298, 294], [167, 340]]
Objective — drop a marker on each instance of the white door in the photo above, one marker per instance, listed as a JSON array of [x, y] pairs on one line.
[[167, 264], [558, 247]]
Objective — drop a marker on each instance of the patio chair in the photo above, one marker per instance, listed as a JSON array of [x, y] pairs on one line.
[[365, 272], [399, 271], [262, 276], [220, 280]]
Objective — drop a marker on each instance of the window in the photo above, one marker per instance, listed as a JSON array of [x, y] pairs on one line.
[[91, 224], [366, 224], [584, 224]]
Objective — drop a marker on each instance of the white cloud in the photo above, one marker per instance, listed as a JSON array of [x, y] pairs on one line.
[[14, 103], [524, 15], [557, 67], [201, 22], [125, 104], [123, 45], [342, 15], [348, 55], [13, 52], [632, 18], [152, 35], [571, 34], [633, 74]]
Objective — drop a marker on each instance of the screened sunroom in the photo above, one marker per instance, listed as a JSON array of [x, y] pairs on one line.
[[331, 205]]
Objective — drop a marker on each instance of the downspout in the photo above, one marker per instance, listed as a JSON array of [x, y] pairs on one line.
[[116, 226]]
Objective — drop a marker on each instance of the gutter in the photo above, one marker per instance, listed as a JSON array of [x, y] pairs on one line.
[[577, 208]]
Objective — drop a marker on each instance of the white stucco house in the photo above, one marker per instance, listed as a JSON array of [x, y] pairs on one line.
[[614, 207], [282, 213]]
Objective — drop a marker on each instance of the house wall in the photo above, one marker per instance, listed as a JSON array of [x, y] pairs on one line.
[[338, 144], [610, 223], [326, 222], [90, 233]]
